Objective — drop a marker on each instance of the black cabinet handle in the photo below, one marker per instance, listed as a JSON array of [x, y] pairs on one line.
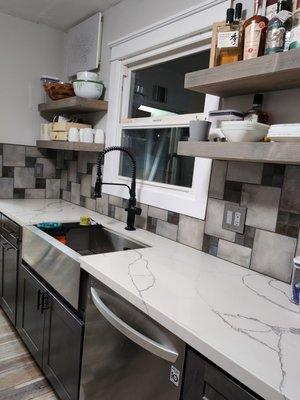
[[45, 302], [39, 299]]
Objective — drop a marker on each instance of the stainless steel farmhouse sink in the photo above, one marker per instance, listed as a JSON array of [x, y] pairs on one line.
[[54, 254]]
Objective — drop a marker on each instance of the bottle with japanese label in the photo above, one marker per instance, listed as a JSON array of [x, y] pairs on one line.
[[255, 29], [229, 40], [279, 28]]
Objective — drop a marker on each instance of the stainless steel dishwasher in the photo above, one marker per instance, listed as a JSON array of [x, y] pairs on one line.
[[127, 355]]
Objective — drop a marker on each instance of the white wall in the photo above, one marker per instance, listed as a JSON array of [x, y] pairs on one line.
[[28, 50]]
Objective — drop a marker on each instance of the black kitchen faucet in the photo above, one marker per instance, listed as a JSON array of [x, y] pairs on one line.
[[132, 209]]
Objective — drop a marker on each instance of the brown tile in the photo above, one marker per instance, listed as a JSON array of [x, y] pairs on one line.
[[13, 156], [217, 179], [245, 172]]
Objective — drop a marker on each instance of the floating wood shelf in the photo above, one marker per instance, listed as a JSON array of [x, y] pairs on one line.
[[268, 73], [73, 105], [75, 146], [278, 153]]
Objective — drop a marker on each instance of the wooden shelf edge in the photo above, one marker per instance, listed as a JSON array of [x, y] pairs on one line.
[[73, 104], [277, 153], [262, 74], [73, 146]]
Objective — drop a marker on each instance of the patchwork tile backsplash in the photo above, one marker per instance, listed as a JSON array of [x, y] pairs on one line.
[[27, 172], [271, 194]]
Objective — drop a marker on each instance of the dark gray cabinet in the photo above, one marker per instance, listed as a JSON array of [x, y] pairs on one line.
[[31, 320], [52, 333], [204, 381], [9, 255]]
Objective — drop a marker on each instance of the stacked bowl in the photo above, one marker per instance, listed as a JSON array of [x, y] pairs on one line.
[[88, 85]]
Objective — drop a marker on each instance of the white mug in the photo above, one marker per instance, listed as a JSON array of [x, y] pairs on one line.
[[86, 135], [45, 132], [73, 135], [99, 136]]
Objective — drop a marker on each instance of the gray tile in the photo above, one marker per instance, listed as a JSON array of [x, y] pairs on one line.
[[158, 213], [102, 205], [291, 190], [234, 253], [60, 161], [217, 179], [13, 156], [120, 214], [214, 220], [262, 203], [273, 255], [64, 180], [75, 193], [90, 204], [83, 159], [191, 231], [245, 172], [49, 167], [72, 171], [66, 195], [115, 201], [1, 164], [141, 220], [53, 188], [94, 174], [86, 185], [24, 178], [32, 151], [167, 230], [35, 193], [6, 188]]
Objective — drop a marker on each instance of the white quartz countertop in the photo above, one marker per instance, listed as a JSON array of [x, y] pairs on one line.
[[240, 320]]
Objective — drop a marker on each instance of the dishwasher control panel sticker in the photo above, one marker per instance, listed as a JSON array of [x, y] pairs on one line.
[[174, 376]]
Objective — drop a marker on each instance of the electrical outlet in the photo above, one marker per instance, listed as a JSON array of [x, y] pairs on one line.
[[234, 218]]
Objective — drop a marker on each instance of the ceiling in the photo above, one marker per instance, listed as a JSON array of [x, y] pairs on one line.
[[59, 14]]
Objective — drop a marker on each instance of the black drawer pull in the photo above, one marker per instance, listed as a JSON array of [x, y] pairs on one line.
[[39, 302], [45, 302]]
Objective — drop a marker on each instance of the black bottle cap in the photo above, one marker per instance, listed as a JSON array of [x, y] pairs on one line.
[[230, 15], [258, 99], [238, 11]]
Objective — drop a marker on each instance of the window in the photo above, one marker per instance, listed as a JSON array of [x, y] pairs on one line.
[[149, 109], [157, 92]]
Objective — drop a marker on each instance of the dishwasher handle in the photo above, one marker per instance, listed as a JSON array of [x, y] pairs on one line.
[[141, 340]]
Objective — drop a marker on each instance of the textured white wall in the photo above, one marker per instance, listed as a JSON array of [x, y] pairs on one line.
[[28, 50]]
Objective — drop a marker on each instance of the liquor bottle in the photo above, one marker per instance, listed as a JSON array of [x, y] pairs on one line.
[[229, 40], [271, 9], [295, 33], [256, 114], [279, 28], [255, 29]]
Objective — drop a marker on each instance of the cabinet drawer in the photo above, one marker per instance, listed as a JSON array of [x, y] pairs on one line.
[[10, 230]]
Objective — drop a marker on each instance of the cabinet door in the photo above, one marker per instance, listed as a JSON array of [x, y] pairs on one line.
[[9, 268], [30, 319], [204, 381], [62, 349]]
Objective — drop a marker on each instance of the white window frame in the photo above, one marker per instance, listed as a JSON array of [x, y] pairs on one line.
[[149, 47]]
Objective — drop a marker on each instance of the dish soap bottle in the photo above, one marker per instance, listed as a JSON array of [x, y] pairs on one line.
[[279, 28], [256, 114], [255, 29], [229, 39]]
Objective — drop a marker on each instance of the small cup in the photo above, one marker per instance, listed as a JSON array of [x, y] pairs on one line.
[[73, 135], [86, 135], [199, 131], [99, 136]]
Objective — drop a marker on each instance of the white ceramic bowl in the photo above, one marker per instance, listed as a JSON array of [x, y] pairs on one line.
[[87, 89], [244, 131], [87, 76]]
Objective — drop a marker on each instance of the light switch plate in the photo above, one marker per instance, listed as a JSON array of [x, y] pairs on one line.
[[234, 218]]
